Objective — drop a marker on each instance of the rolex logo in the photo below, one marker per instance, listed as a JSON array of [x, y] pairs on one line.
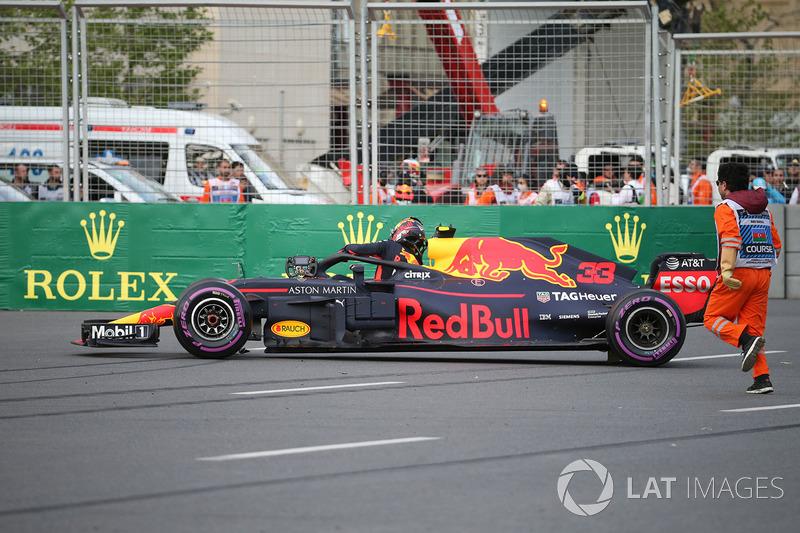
[[626, 245], [102, 242], [360, 237]]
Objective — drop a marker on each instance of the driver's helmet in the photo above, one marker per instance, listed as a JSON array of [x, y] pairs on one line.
[[410, 167], [411, 234]]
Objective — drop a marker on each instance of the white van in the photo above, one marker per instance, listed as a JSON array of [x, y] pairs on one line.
[[756, 158], [590, 161], [162, 144], [110, 180]]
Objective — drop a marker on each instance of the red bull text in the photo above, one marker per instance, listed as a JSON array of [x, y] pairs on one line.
[[474, 321]]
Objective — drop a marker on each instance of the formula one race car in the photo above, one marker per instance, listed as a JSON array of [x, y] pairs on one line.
[[480, 293]]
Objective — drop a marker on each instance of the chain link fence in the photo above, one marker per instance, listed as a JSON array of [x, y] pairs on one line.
[[738, 99], [518, 85], [315, 98], [33, 74], [188, 92]]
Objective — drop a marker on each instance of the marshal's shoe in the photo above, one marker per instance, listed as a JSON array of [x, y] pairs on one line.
[[750, 351], [761, 385]]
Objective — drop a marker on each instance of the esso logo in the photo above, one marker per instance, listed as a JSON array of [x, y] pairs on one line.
[[675, 284]]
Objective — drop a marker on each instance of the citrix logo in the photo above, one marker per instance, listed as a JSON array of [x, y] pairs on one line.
[[587, 509]]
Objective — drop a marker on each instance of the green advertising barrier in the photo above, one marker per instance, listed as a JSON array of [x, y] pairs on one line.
[[128, 257]]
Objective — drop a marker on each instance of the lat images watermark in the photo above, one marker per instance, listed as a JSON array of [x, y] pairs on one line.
[[585, 484], [586, 509]]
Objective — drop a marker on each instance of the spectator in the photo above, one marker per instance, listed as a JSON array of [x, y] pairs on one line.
[[421, 194], [630, 193], [788, 183], [53, 188], [504, 193], [526, 195], [199, 174], [768, 169], [795, 198], [223, 188], [237, 172], [773, 186], [478, 187], [21, 179], [411, 189], [637, 164], [607, 175], [554, 191], [793, 174], [576, 181], [558, 170], [701, 191], [385, 194], [635, 178], [606, 192]]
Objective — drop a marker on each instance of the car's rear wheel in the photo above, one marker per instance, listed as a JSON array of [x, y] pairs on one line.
[[645, 328], [212, 319]]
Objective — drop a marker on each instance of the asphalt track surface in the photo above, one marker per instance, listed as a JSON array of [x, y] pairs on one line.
[[156, 440]]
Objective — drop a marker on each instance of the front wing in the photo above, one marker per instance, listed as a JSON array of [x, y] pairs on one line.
[[139, 329]]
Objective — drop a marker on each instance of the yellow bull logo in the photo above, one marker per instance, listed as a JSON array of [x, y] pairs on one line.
[[495, 258]]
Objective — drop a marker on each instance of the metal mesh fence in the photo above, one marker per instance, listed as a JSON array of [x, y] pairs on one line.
[[508, 84], [193, 94], [171, 97], [295, 96], [33, 73], [738, 99]]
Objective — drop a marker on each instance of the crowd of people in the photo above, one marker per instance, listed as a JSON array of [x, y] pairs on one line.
[[52, 189], [624, 185], [500, 185], [780, 184]]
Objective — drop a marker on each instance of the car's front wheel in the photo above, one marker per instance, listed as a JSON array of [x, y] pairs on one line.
[[212, 319], [645, 328]]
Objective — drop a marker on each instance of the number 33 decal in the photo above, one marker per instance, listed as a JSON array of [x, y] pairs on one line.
[[602, 273]]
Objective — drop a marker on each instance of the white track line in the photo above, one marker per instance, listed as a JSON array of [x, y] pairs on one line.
[[328, 387], [719, 356], [764, 408], [311, 449]]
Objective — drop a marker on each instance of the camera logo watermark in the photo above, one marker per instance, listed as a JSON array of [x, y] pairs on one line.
[[586, 509], [585, 486]]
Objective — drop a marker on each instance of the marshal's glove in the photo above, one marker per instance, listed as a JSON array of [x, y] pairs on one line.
[[727, 260]]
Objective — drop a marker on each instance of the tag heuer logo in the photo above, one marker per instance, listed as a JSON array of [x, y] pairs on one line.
[[543, 297]]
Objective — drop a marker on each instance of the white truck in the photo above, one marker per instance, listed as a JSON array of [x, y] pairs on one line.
[[162, 144], [755, 158], [591, 160]]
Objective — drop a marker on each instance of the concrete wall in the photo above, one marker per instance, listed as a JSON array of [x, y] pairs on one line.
[[791, 251]]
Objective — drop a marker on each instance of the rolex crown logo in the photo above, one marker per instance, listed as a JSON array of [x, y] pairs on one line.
[[102, 242], [360, 237], [626, 245]]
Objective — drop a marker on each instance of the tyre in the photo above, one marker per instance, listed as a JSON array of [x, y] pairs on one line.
[[645, 328], [212, 319]]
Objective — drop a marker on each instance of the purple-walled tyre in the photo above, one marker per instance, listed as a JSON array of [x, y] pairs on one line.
[[212, 319], [645, 328]]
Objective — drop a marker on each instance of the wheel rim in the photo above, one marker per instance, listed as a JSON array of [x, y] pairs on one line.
[[213, 319], [647, 328]]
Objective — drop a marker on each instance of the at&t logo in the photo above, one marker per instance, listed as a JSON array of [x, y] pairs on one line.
[[586, 509]]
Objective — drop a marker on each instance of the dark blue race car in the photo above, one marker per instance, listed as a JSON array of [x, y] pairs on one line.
[[480, 293]]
